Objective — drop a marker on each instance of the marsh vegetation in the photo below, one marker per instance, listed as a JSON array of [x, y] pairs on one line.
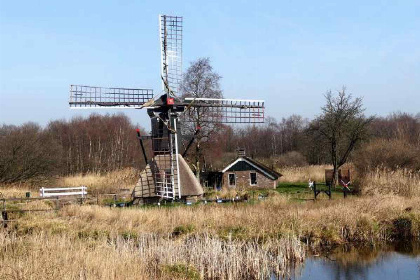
[[211, 241]]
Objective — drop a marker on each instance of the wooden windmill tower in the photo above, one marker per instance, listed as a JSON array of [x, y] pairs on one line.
[[163, 175]]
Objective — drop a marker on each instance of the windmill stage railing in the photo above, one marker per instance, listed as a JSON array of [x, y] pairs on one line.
[[88, 97], [225, 110]]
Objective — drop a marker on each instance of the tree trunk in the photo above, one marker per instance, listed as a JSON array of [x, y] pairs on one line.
[[197, 161], [334, 163], [335, 176]]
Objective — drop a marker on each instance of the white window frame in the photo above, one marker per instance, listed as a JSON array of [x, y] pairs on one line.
[[250, 179], [234, 176]]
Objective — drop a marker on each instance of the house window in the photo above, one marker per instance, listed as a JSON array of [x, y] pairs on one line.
[[253, 178], [232, 180]]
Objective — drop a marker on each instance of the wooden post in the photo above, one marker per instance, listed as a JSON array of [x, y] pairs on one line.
[[142, 146], [3, 212], [329, 191], [5, 218]]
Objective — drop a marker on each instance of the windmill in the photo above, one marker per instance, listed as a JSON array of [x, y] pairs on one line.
[[162, 175]]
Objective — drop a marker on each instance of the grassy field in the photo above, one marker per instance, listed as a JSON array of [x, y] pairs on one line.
[[212, 241]]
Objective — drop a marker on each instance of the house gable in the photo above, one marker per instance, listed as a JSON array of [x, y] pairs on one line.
[[241, 166], [244, 164]]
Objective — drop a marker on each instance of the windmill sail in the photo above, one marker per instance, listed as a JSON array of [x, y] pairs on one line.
[[225, 110], [164, 137], [171, 53], [88, 97]]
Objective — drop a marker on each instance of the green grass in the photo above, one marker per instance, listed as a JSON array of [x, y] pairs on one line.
[[302, 187], [298, 191], [293, 188], [302, 191]]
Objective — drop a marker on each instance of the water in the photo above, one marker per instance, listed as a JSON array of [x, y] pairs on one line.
[[391, 266], [391, 262]]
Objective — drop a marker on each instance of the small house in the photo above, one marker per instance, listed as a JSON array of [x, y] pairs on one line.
[[245, 172]]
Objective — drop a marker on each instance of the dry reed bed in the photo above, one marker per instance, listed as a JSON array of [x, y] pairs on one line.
[[298, 174], [368, 219], [110, 182], [8, 191], [106, 183], [149, 256], [43, 256], [395, 182], [205, 241], [239, 241]]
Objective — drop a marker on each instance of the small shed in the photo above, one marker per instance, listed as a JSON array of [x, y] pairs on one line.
[[245, 172]]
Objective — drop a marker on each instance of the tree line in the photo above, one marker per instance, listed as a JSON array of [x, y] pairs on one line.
[[292, 141], [94, 144], [101, 143]]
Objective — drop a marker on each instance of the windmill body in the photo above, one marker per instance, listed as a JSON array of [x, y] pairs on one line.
[[167, 175]]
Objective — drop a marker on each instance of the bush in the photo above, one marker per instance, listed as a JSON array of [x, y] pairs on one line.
[[390, 154], [183, 229], [389, 167], [180, 271], [27, 152]]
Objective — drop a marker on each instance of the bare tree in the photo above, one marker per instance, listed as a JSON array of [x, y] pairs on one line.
[[342, 125], [27, 152], [200, 81], [97, 143]]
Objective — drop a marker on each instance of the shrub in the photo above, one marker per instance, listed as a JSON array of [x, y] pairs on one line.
[[183, 229], [389, 167], [181, 271], [27, 152], [391, 154]]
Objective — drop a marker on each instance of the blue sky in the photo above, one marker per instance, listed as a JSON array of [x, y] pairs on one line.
[[288, 53]]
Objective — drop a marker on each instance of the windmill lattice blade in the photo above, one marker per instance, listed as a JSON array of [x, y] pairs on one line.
[[87, 97], [171, 52], [225, 110]]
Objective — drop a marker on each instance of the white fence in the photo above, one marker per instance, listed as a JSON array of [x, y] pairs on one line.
[[47, 192]]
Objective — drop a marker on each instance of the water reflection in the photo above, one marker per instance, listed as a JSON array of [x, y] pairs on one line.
[[396, 261]]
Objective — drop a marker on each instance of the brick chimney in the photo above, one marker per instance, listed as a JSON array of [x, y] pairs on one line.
[[240, 152]]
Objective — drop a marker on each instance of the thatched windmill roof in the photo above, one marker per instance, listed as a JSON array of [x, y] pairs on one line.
[[146, 188]]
